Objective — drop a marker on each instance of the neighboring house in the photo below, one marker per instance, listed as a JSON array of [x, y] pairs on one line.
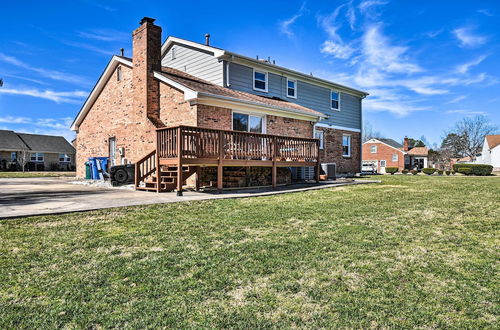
[[45, 152], [382, 153], [490, 153], [134, 114]]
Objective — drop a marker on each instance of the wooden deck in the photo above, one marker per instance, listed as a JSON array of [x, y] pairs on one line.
[[195, 146]]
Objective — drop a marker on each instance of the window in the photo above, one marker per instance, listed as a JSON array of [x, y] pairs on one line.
[[382, 163], [64, 158], [373, 149], [335, 100], [321, 136], [346, 145], [291, 88], [260, 80], [173, 53], [36, 157], [13, 156], [394, 157], [119, 73], [247, 123]]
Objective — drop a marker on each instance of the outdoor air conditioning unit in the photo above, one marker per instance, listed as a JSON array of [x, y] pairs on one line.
[[330, 170]]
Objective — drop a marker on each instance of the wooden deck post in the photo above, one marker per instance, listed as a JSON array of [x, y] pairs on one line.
[[179, 161], [318, 163], [198, 178], [274, 171], [220, 167]]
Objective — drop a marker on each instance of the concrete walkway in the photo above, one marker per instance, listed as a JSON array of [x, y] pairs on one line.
[[21, 197]]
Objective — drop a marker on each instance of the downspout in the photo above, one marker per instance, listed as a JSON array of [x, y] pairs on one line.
[[361, 133]]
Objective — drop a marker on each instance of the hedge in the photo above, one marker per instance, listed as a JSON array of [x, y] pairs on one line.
[[429, 170], [391, 170], [414, 172], [448, 172], [405, 171], [473, 169]]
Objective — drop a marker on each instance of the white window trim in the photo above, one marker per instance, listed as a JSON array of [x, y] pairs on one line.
[[397, 157], [250, 113], [172, 53], [371, 149], [295, 89], [385, 163], [321, 141], [350, 145], [66, 158], [36, 156], [338, 92], [266, 81]]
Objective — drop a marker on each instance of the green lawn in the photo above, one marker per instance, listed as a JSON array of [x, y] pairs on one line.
[[35, 174], [413, 251]]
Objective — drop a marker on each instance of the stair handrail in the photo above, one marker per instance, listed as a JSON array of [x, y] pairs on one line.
[[139, 177]]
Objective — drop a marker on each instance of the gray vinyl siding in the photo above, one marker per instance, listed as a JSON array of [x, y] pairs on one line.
[[196, 62], [308, 95]]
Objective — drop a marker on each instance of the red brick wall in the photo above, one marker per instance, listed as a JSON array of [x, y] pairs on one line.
[[214, 117], [384, 152], [174, 110], [332, 151], [113, 115], [289, 127]]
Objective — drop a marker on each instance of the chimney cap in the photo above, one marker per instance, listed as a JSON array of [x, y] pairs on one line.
[[147, 20]]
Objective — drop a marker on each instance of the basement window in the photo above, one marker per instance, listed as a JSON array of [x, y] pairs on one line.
[[119, 73], [260, 80]]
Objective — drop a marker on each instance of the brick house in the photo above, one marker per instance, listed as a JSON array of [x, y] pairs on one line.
[[45, 152], [382, 153], [186, 108]]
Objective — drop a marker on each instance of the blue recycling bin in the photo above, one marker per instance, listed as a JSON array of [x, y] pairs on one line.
[[98, 166]]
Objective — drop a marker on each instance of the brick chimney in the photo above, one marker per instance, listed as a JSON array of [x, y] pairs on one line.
[[405, 144], [146, 58]]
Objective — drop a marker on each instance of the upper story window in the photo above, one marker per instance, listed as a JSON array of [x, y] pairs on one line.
[[260, 80], [119, 73], [291, 88], [248, 123], [172, 52], [320, 135], [394, 157], [36, 157], [346, 145], [64, 158], [335, 100], [373, 149]]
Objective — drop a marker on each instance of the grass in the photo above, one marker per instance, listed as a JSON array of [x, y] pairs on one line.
[[413, 251], [35, 174]]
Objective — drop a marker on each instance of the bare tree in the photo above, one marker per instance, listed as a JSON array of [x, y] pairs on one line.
[[469, 135], [23, 157], [369, 132]]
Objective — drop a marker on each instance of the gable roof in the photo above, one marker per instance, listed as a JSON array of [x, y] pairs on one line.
[[10, 141], [225, 54], [418, 151], [493, 140], [391, 142], [199, 87], [47, 143]]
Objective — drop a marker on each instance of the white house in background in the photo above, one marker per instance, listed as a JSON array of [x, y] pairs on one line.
[[491, 152]]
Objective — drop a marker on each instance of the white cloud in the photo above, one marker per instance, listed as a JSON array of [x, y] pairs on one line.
[[51, 74], [381, 54], [105, 35], [365, 7], [465, 112], [338, 50], [464, 68], [46, 126], [467, 38], [457, 99], [485, 12], [285, 26], [14, 120], [58, 97]]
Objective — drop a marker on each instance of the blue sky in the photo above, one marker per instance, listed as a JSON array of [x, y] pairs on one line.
[[426, 64]]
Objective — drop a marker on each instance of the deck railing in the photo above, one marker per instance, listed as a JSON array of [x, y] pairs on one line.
[[205, 143]]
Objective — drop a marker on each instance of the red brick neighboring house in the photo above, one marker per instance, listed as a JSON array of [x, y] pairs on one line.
[[384, 153], [159, 118]]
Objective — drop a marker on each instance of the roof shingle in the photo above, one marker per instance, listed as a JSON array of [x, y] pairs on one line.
[[493, 140], [10, 141], [47, 143], [204, 86]]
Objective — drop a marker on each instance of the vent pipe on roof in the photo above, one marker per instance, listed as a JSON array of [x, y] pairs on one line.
[[207, 39], [122, 51]]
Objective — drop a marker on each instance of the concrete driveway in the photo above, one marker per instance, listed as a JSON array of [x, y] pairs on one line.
[[20, 197]]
